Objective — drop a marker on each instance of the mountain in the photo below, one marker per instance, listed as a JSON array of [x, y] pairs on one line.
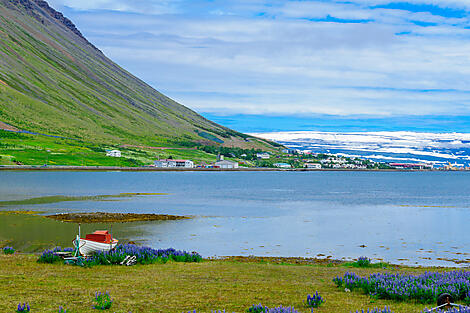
[[53, 81]]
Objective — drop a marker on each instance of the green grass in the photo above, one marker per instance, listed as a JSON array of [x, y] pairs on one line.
[[57, 199], [180, 287], [41, 150]]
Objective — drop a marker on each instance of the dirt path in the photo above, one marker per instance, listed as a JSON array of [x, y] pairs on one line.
[[6, 126], [156, 148]]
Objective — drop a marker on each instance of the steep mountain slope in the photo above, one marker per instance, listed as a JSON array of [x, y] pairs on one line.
[[53, 81]]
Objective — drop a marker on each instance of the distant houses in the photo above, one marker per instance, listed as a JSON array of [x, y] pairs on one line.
[[282, 165], [411, 166], [113, 153], [226, 164], [290, 151], [315, 166], [170, 163], [221, 163], [263, 155]]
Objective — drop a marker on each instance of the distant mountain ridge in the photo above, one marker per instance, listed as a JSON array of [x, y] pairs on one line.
[[52, 80]]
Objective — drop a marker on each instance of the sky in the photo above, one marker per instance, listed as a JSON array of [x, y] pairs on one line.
[[259, 65]]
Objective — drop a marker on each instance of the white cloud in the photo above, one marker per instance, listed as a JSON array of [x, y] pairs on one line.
[[226, 59]]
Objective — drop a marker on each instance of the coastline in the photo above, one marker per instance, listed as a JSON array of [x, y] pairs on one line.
[[156, 169]]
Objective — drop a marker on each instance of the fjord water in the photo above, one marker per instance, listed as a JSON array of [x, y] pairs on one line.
[[400, 217]]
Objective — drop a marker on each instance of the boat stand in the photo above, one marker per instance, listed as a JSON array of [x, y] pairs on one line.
[[77, 258]]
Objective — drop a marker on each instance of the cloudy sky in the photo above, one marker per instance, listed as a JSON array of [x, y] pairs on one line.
[[260, 65]]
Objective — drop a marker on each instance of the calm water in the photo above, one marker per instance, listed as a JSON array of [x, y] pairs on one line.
[[401, 217]]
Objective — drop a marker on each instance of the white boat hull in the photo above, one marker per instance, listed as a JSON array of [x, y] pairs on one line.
[[88, 247]]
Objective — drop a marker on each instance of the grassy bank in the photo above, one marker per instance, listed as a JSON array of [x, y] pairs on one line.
[[18, 148], [180, 287]]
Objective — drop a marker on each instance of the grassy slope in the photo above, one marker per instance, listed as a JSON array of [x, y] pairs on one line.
[[180, 287], [40, 150], [53, 81]]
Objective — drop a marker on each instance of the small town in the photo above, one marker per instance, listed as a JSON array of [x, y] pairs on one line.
[[294, 159]]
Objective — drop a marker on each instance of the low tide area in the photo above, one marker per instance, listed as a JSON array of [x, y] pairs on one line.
[[410, 218]]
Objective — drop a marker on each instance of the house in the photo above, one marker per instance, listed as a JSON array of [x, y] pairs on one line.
[[316, 166], [221, 163], [411, 166], [113, 153], [282, 165], [174, 163], [226, 164], [263, 155]]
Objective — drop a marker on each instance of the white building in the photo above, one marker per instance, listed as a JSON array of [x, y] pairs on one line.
[[282, 165], [174, 163], [263, 155], [113, 153], [316, 166], [226, 164]]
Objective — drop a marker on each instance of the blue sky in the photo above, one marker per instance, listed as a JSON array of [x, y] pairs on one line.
[[325, 65]]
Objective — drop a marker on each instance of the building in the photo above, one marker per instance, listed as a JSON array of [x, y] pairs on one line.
[[226, 164], [113, 153], [290, 151], [263, 155], [411, 166], [315, 166], [174, 163], [221, 163], [282, 165]]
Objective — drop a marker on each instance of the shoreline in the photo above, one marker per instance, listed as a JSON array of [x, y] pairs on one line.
[[156, 169]]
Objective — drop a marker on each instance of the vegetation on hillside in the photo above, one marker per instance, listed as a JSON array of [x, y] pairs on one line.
[[53, 81]]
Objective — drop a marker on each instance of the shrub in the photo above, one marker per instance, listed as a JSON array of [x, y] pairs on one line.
[[376, 310], [467, 298], [144, 255], [315, 301], [256, 309], [8, 250], [424, 288], [363, 261], [102, 301], [263, 309], [51, 256], [23, 307]]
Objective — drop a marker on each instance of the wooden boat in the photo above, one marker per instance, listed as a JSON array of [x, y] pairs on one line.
[[100, 240]]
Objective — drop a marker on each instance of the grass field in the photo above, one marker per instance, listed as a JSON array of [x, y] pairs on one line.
[[42, 150], [180, 287]]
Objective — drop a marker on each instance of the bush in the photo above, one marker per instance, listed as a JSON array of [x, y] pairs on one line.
[[144, 255], [51, 256], [263, 309], [363, 261], [315, 301], [424, 288], [376, 310], [8, 250], [23, 307], [102, 301]]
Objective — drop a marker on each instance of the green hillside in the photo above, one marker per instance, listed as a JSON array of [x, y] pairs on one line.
[[53, 81]]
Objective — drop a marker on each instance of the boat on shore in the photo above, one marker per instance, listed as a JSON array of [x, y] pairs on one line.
[[99, 241]]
